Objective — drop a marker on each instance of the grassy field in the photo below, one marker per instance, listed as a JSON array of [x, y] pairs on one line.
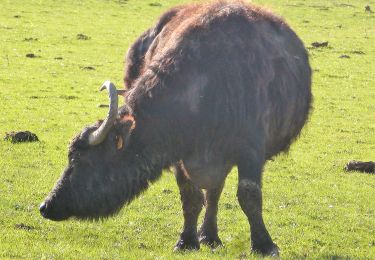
[[312, 207]]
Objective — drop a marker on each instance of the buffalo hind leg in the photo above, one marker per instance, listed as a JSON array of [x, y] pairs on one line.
[[192, 202], [208, 233], [250, 198]]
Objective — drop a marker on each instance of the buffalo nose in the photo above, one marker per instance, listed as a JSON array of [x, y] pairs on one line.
[[42, 208]]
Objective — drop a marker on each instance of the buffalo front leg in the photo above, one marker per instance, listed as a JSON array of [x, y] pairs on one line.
[[192, 202], [208, 233], [250, 198]]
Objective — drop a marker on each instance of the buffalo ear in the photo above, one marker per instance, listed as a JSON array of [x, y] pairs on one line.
[[125, 126], [128, 120]]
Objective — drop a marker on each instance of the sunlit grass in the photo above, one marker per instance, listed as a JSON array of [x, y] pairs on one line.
[[311, 206]]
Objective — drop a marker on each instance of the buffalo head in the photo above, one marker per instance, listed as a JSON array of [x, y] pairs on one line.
[[92, 184]]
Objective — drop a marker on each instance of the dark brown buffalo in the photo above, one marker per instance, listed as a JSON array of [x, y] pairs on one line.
[[211, 86]]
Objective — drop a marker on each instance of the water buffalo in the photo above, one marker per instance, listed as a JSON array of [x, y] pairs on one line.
[[210, 87]]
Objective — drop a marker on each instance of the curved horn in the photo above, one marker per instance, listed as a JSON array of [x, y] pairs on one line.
[[99, 135]]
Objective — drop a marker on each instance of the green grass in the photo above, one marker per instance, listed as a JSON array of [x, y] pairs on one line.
[[311, 206]]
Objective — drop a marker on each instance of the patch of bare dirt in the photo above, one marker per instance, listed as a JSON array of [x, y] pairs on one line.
[[82, 36], [368, 9], [319, 44], [167, 191], [21, 136], [344, 56], [367, 167], [30, 39], [24, 227], [32, 55], [88, 68]]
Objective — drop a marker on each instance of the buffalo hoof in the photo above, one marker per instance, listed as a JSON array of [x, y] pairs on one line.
[[187, 244], [270, 250], [210, 241]]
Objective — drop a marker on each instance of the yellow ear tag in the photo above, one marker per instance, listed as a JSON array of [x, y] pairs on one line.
[[120, 142]]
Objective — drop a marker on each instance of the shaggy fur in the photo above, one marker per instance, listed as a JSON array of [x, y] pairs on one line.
[[210, 86]]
